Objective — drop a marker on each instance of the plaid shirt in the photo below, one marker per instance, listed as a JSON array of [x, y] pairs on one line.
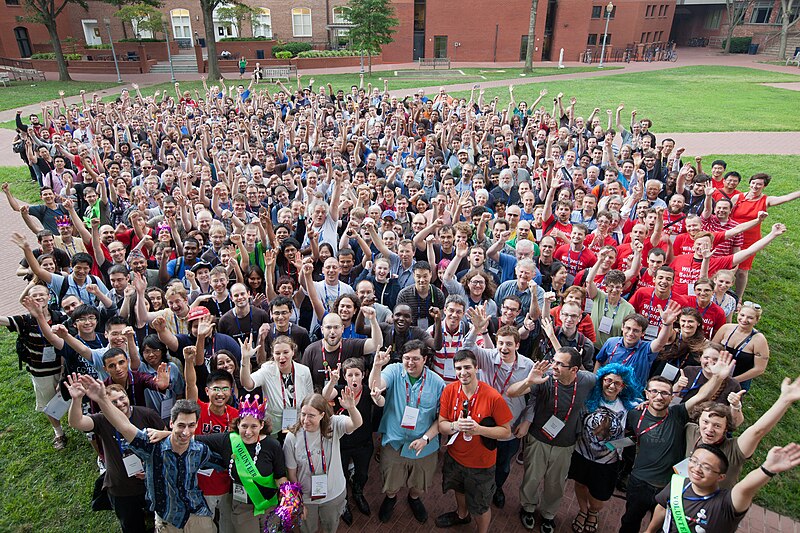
[[171, 479]]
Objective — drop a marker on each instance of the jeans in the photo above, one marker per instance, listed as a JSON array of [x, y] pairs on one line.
[[506, 452], [130, 511], [639, 500]]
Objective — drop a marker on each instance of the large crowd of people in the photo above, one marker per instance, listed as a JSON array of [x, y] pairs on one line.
[[245, 286]]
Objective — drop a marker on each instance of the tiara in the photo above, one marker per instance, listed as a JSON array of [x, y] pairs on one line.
[[162, 227], [63, 221], [252, 407]]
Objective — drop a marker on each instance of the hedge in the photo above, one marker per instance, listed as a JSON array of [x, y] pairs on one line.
[[52, 55], [283, 55], [330, 53], [147, 40], [739, 45], [105, 46], [293, 47], [242, 39]]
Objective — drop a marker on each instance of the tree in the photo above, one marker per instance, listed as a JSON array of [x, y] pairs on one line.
[[236, 14], [141, 17], [373, 25], [531, 38], [119, 4], [736, 10], [45, 12], [208, 7], [787, 6]]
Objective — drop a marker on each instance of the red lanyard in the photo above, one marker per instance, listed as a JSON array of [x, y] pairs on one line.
[[421, 386], [571, 403], [630, 354], [283, 388], [321, 449], [497, 372], [651, 428], [457, 406], [458, 341], [357, 398], [338, 360]]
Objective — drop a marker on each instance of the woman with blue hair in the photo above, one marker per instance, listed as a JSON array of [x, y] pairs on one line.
[[598, 451]]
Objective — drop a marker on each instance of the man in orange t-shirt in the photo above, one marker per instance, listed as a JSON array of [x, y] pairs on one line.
[[474, 416]]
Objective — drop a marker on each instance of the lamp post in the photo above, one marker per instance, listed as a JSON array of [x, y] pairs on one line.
[[169, 52], [107, 22], [609, 9]]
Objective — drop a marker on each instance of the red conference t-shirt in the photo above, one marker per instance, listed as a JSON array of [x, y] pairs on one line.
[[575, 261], [684, 243], [687, 270], [713, 317], [219, 482], [646, 303]]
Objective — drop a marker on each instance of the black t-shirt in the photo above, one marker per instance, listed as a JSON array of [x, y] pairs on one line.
[[298, 334], [397, 340], [659, 448], [241, 328], [270, 457], [313, 358], [31, 344], [61, 257], [114, 446], [714, 515], [362, 436], [218, 309]]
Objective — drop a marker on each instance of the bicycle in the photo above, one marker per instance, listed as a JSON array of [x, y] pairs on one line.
[[587, 56], [670, 55]]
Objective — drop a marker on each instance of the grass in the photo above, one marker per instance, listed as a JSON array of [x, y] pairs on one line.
[[22, 187], [23, 93], [683, 99]]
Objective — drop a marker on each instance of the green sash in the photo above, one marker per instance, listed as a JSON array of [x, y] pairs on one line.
[[250, 478], [676, 504]]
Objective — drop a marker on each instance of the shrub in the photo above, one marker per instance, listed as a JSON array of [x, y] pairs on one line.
[[147, 40], [739, 45], [242, 39], [293, 47], [330, 53], [286, 54], [104, 46], [52, 55]]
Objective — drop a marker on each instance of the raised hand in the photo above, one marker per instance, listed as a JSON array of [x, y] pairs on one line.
[[735, 398], [335, 373], [74, 387], [682, 382], [671, 313], [368, 312], [189, 353], [724, 366], [382, 357], [537, 373], [94, 388], [781, 459], [159, 324], [347, 397]]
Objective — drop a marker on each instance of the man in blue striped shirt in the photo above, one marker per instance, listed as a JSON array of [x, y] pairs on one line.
[[170, 466]]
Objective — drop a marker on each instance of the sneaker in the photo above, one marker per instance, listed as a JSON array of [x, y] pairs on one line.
[[387, 508], [347, 516], [528, 519], [499, 498], [452, 519], [418, 508], [59, 443], [101, 465], [548, 525]]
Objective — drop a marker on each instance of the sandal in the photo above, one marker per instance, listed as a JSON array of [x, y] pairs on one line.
[[579, 524], [590, 527]]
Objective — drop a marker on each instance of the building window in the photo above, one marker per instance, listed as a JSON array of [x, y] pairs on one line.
[[262, 23], [523, 48], [643, 38], [301, 22], [12, 2], [592, 40], [340, 17], [597, 12], [794, 14], [648, 12], [607, 39], [713, 19], [761, 13], [181, 24]]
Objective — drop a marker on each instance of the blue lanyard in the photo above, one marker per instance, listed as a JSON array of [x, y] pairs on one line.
[[241, 331], [219, 309], [739, 349], [605, 309], [694, 384], [275, 331], [699, 498], [338, 289], [652, 296], [574, 270]]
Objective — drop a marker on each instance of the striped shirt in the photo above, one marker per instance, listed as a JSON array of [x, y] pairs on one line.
[[451, 343], [724, 246], [32, 344]]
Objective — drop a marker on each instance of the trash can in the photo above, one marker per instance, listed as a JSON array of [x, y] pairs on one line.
[[752, 49], [259, 54], [202, 42]]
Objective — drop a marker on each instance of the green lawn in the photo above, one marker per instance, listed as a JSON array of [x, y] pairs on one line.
[[684, 99], [24, 93], [22, 187]]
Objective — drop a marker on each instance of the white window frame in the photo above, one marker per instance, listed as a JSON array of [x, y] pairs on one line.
[[258, 19], [300, 30], [178, 15]]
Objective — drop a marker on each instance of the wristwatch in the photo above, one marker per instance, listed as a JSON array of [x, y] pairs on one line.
[[426, 438]]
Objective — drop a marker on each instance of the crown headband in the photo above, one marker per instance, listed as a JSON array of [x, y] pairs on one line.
[[252, 408], [63, 221]]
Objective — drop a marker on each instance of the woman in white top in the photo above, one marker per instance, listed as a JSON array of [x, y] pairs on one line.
[[313, 459], [283, 383]]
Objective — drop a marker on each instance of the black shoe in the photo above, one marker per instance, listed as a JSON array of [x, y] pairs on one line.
[[347, 516], [548, 525], [528, 519], [452, 519], [418, 508], [361, 502], [387, 508], [499, 498]]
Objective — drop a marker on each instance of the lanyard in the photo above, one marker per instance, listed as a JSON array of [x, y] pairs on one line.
[[458, 342], [241, 331], [703, 314], [421, 386], [605, 309], [693, 386], [338, 289], [698, 498], [471, 402], [308, 453], [338, 360], [219, 309], [121, 444], [571, 404], [630, 354], [177, 327], [742, 345], [283, 390], [510, 373], [651, 428], [666, 303], [570, 268], [275, 332]]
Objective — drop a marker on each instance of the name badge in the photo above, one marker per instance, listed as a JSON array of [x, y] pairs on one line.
[[553, 426], [239, 495], [669, 372], [410, 415], [422, 322], [133, 465], [619, 444], [651, 332], [288, 418], [319, 486], [205, 472], [589, 305], [166, 407], [57, 407], [449, 369], [539, 234], [605, 325], [690, 289], [48, 354], [682, 468], [453, 438]]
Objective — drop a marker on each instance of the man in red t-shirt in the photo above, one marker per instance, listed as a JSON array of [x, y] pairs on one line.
[[575, 255], [648, 302], [689, 267], [216, 416], [684, 243], [469, 464]]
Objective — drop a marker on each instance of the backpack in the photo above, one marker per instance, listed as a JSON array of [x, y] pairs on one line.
[[65, 287]]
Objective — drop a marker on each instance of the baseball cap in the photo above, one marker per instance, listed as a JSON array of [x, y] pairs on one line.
[[197, 313], [389, 214]]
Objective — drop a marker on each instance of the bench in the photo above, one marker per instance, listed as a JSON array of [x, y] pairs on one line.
[[795, 60], [434, 62], [5, 79], [279, 73]]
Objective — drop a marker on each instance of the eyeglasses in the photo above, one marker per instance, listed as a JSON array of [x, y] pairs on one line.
[[569, 315], [753, 305], [705, 467], [220, 389], [562, 365], [510, 309], [612, 381], [664, 393], [280, 313]]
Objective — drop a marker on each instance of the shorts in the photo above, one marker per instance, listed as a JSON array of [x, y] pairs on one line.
[[599, 478], [476, 484], [45, 388], [398, 471], [324, 517]]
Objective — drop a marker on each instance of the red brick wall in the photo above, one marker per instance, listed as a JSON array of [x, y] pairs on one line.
[[37, 33]]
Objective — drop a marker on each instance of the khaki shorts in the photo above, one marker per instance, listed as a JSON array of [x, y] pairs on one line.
[[196, 524], [399, 471], [45, 388]]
